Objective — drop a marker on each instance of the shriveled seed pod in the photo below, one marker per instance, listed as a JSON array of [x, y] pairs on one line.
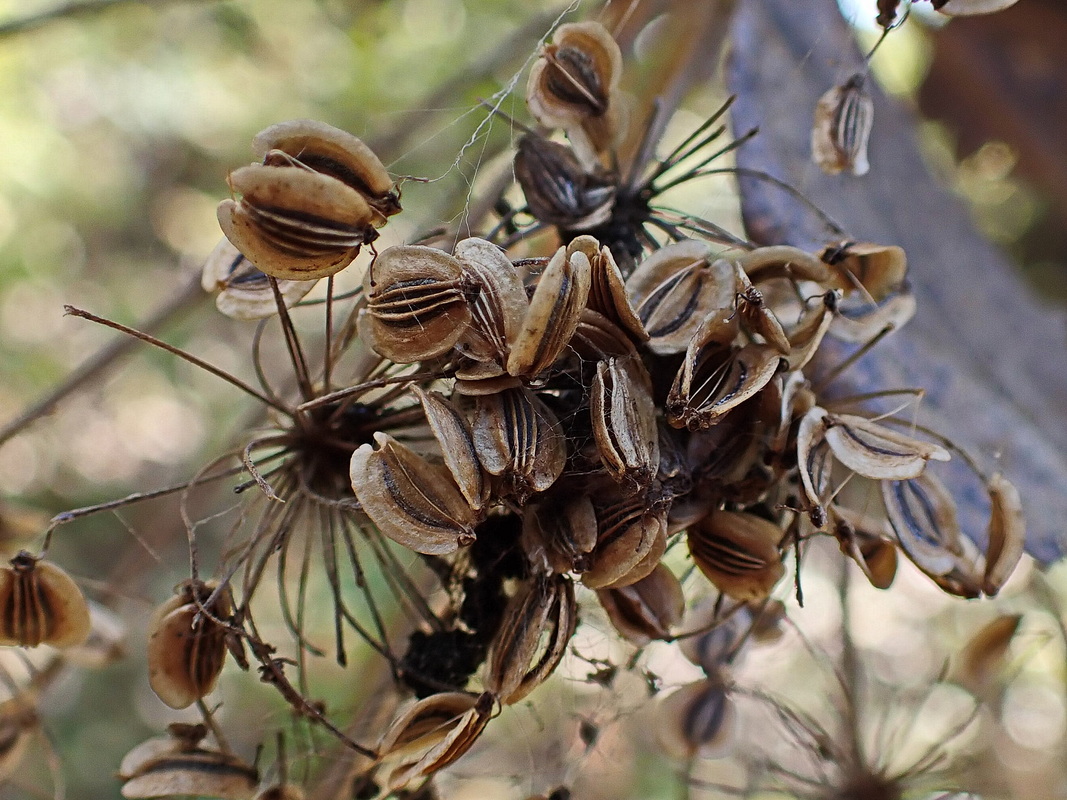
[[624, 420], [418, 303], [244, 292], [1006, 533], [538, 625], [647, 609], [334, 152], [876, 270], [980, 665], [843, 120], [560, 532], [431, 733], [294, 224], [714, 379], [738, 552], [413, 502], [877, 452], [607, 292], [187, 643], [923, 515], [40, 604]]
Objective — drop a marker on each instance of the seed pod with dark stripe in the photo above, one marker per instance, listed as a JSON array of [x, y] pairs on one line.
[[557, 188], [843, 120], [245, 291], [624, 420], [418, 303], [877, 452], [179, 766], [923, 516], [697, 720], [40, 604], [499, 305], [629, 529], [738, 552], [646, 609], [186, 645], [714, 379]]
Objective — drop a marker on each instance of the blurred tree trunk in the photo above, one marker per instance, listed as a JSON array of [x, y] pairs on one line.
[[990, 354]]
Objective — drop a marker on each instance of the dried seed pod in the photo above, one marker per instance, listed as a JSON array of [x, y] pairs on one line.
[[1006, 533], [574, 86], [923, 516], [457, 446], [244, 292], [738, 552], [866, 540], [628, 529], [413, 502], [779, 261], [538, 624], [554, 313], [177, 765], [558, 189], [980, 664], [624, 420], [647, 609], [323, 148], [756, 315], [607, 291], [843, 120], [517, 437], [877, 452], [814, 460], [18, 721], [678, 289], [860, 324], [806, 336], [294, 224], [186, 645], [561, 532], [877, 270], [714, 379], [40, 604], [431, 733], [499, 306], [418, 303], [698, 720], [597, 338]]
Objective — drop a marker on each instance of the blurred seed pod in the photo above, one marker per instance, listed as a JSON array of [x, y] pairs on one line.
[[499, 306], [186, 645], [678, 289], [554, 313], [18, 722], [330, 151], [413, 502], [558, 189], [647, 609], [980, 665], [517, 437], [19, 525], [623, 414], [574, 86], [875, 270], [294, 224], [697, 721], [923, 515], [538, 624], [868, 541], [281, 791], [714, 379], [178, 765], [1006, 533], [40, 604], [843, 120], [244, 292], [877, 452], [738, 552], [418, 303], [431, 733]]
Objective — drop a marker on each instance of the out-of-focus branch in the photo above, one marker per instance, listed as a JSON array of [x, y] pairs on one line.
[[76, 9]]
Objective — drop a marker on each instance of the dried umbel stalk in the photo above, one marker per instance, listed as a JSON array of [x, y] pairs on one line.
[[187, 643], [843, 120], [40, 604]]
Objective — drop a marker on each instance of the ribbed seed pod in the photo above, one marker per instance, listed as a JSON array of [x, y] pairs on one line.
[[40, 604], [714, 379], [697, 720], [624, 420], [877, 452], [453, 435], [186, 645], [557, 188], [418, 303], [178, 766], [923, 516], [646, 609], [628, 529], [532, 639], [843, 120], [499, 305], [738, 552], [607, 291]]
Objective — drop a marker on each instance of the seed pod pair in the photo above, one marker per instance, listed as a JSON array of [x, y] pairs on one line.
[[316, 198], [179, 765], [623, 414], [631, 536], [574, 86], [714, 379], [40, 604], [187, 642], [538, 625]]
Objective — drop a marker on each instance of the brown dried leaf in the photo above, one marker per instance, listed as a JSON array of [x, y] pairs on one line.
[[40, 604], [413, 502]]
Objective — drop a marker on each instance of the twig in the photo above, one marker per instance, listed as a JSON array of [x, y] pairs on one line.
[[84, 7]]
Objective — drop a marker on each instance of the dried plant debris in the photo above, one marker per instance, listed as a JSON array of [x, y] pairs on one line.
[[615, 395]]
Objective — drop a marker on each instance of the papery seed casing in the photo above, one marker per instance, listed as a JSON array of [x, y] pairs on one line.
[[877, 452], [647, 609], [245, 291], [844, 116], [500, 305], [40, 604], [624, 420], [738, 552]]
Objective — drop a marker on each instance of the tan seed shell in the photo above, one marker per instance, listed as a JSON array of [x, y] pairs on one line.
[[554, 313], [627, 531], [780, 261], [457, 446], [965, 8], [560, 533], [738, 552], [294, 224], [40, 604], [877, 452], [244, 291], [713, 380], [877, 270], [843, 120], [624, 420], [199, 772], [647, 609], [558, 189], [1006, 533], [413, 502], [859, 326], [500, 306], [868, 541], [814, 459], [607, 292], [923, 515], [698, 720]]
